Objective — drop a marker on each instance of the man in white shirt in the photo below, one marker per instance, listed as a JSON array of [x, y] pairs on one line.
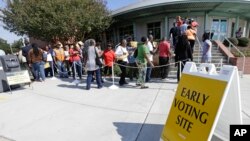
[[152, 51], [2, 52]]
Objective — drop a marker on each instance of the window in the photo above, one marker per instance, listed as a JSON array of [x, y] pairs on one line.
[[155, 29], [126, 31]]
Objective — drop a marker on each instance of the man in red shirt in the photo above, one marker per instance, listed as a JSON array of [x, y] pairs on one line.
[[109, 57], [164, 56]]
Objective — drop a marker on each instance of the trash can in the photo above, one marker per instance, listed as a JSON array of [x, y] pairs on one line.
[[8, 63]]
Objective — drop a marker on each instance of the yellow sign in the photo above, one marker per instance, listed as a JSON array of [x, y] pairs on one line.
[[194, 109], [19, 77], [133, 44]]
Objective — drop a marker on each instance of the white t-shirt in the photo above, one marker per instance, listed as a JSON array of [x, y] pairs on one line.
[[150, 48], [2, 52], [120, 51]]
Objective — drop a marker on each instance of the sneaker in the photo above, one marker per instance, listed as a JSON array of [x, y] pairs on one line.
[[138, 84], [144, 87], [165, 79]]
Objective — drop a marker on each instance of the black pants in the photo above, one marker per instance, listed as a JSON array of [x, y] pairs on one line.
[[192, 42], [180, 69], [123, 74], [107, 70], [164, 62], [133, 72]]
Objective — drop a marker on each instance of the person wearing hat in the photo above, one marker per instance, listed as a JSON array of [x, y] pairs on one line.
[[59, 60]]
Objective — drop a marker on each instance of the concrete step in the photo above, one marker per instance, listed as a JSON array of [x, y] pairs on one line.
[[213, 57], [213, 53]]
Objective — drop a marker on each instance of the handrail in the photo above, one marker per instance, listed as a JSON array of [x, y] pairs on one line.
[[244, 57], [199, 49]]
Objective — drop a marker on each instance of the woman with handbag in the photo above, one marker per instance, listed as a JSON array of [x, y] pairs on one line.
[[122, 59], [35, 59], [93, 64]]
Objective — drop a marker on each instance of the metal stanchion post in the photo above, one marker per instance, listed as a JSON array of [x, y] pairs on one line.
[[76, 82], [113, 86], [53, 72], [180, 63]]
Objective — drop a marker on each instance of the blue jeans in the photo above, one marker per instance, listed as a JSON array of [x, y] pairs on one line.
[[61, 69], [38, 68], [90, 76], [148, 73], [77, 67]]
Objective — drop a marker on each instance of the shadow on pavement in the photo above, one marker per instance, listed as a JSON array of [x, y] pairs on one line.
[[133, 131]]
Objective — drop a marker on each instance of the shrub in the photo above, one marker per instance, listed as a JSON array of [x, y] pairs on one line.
[[117, 70], [243, 41], [232, 40]]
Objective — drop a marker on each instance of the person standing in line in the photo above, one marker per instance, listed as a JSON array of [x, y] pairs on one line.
[[152, 50], [122, 57], [191, 35], [183, 53], [25, 52], [35, 59], [48, 70], [109, 58], [76, 61], [142, 59], [174, 33], [67, 59], [238, 33], [100, 53], [206, 50], [59, 60], [132, 70], [164, 57], [91, 66], [183, 27]]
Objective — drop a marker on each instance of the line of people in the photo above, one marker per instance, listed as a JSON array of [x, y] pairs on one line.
[[184, 34], [43, 62], [79, 58]]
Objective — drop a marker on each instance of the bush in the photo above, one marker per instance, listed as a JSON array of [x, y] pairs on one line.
[[232, 40], [243, 41], [117, 70]]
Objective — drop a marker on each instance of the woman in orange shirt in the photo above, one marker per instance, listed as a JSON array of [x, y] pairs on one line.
[[191, 34], [109, 57]]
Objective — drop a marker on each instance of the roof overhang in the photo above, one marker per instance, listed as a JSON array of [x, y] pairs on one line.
[[156, 7]]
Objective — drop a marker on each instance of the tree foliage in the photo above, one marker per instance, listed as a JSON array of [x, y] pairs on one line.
[[47, 19], [15, 46]]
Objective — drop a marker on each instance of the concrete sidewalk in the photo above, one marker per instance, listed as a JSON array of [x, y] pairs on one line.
[[57, 110]]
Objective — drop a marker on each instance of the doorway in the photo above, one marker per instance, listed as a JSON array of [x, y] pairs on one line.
[[219, 28]]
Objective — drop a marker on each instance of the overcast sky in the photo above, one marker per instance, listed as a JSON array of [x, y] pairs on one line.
[[11, 37]]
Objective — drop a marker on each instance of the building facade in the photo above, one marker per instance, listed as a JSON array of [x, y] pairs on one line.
[[156, 17]]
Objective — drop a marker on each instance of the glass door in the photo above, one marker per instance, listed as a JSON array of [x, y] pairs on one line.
[[219, 28]]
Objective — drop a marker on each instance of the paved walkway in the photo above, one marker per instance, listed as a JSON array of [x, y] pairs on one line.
[[57, 110]]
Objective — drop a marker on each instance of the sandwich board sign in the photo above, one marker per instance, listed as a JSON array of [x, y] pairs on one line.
[[205, 104]]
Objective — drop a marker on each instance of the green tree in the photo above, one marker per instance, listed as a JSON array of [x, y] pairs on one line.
[[16, 46], [4, 46], [48, 19]]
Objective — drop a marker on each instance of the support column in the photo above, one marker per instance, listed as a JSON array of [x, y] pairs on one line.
[[247, 29], [166, 27], [206, 22], [114, 35], [134, 31], [236, 27]]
